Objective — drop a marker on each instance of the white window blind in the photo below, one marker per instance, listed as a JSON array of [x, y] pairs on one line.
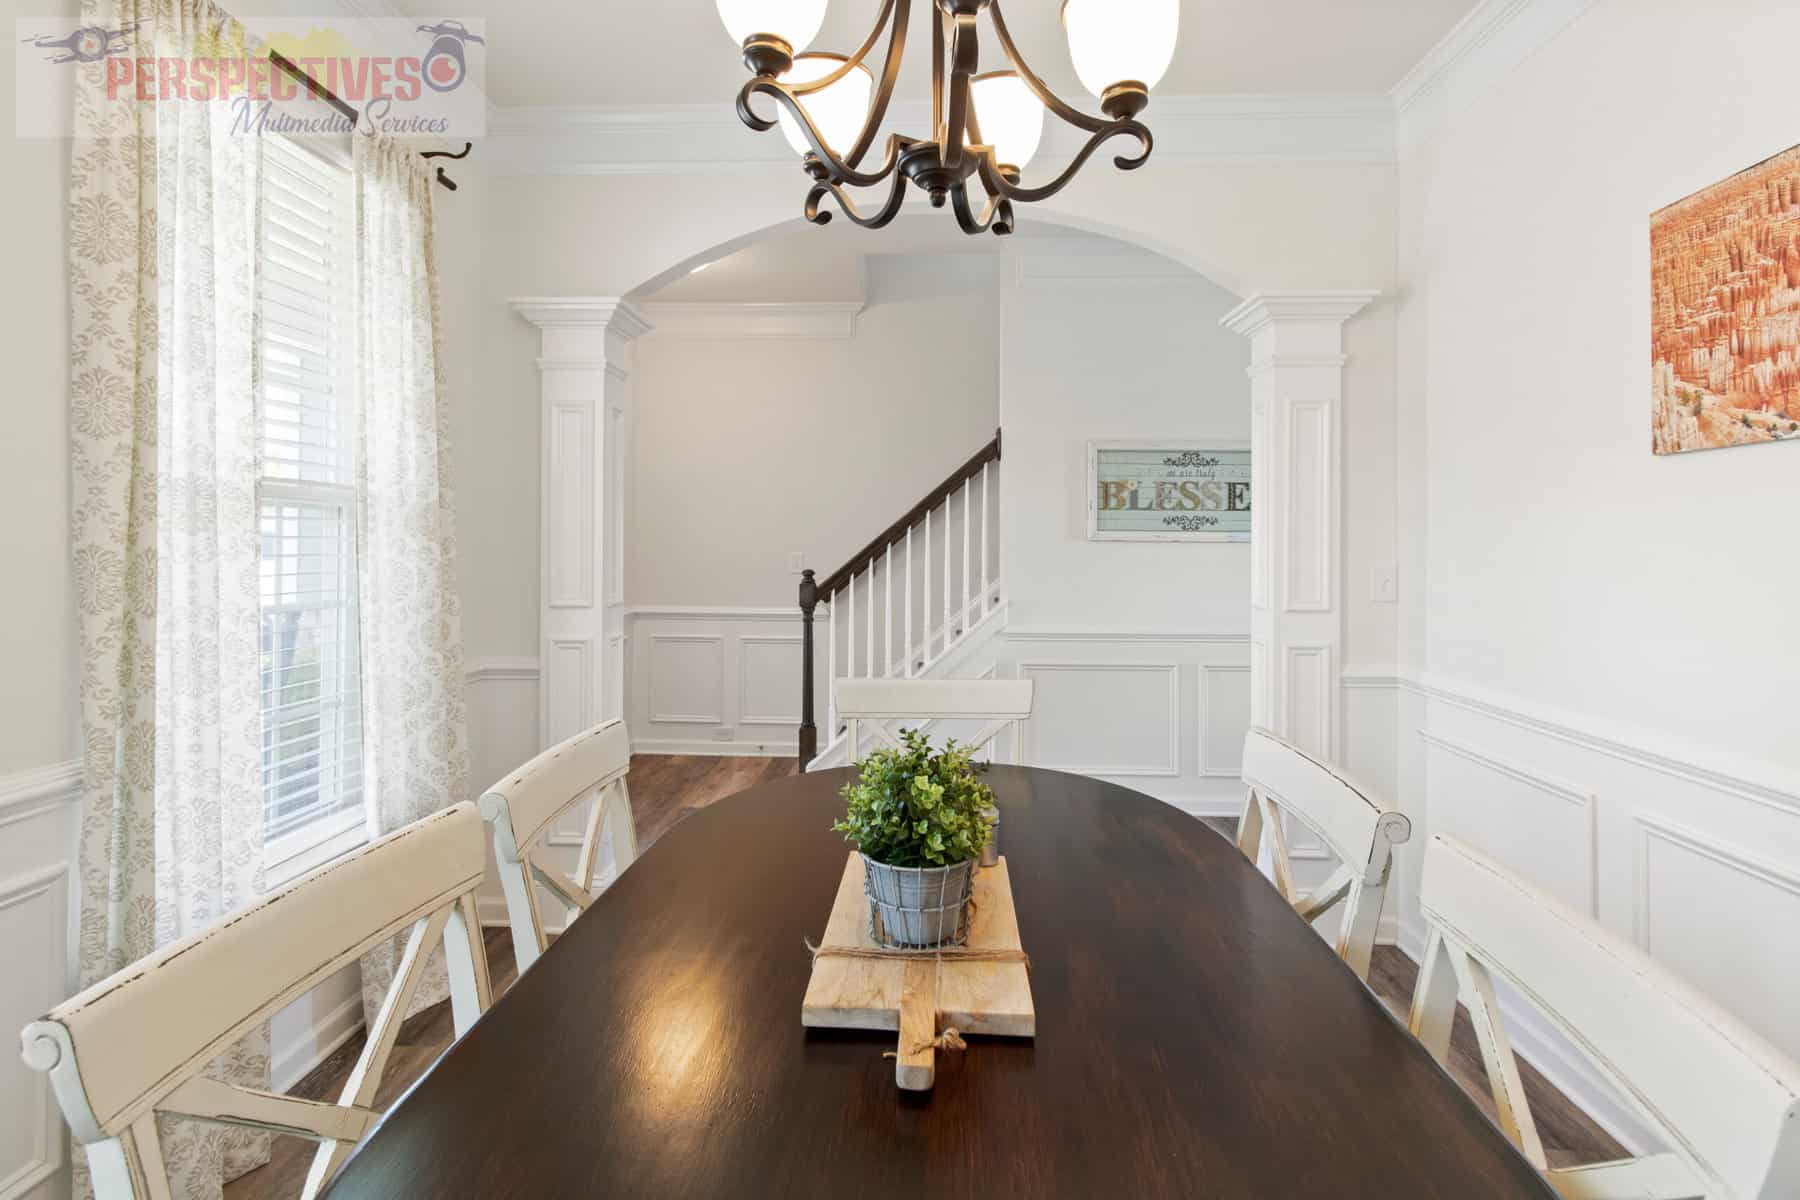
[[311, 660]]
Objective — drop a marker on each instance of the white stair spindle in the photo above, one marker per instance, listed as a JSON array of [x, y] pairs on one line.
[[850, 633], [927, 593], [968, 523], [887, 609], [869, 596], [987, 483], [831, 672], [949, 603], [909, 640]]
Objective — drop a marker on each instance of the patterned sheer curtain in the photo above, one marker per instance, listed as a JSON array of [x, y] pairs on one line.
[[415, 747], [162, 265]]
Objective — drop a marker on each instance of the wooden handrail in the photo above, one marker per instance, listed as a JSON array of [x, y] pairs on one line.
[[841, 578]]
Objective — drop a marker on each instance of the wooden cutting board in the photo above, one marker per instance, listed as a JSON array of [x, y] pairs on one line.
[[921, 996]]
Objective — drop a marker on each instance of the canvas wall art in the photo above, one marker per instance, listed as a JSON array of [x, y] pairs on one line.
[[1725, 312]]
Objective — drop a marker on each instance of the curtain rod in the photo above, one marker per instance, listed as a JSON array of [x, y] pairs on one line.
[[349, 114]]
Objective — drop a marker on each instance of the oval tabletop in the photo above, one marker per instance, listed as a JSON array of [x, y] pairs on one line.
[[1194, 1038]]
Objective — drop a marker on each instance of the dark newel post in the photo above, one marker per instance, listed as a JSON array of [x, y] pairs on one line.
[[809, 732]]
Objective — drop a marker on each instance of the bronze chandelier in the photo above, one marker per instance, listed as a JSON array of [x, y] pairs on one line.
[[832, 109]]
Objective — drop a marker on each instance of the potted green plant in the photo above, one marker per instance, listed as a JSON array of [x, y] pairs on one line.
[[921, 820]]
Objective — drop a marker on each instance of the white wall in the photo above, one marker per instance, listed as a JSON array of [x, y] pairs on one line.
[[746, 449], [1599, 670], [39, 694], [1139, 650]]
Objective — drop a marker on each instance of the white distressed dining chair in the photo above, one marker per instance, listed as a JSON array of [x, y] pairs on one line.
[[135, 1045], [523, 809], [1724, 1100], [880, 703], [1280, 778]]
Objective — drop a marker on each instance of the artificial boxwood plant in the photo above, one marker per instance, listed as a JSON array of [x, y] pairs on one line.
[[910, 807]]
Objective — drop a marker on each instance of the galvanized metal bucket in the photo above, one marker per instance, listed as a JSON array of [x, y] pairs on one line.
[[917, 907]]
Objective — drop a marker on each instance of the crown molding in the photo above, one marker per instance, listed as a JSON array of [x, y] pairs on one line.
[[1485, 46], [1270, 308], [709, 139], [832, 320], [582, 312]]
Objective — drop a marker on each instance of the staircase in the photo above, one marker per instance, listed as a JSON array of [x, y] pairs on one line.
[[914, 603]]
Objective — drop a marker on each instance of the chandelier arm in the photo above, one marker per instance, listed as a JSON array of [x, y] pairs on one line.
[[937, 77], [965, 216], [884, 89], [831, 164], [1051, 100], [883, 216], [998, 184], [855, 60], [965, 55]]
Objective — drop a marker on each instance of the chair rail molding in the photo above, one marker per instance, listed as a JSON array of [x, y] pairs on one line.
[[1296, 562], [584, 365]]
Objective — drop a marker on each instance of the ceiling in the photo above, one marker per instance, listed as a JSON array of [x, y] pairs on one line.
[[832, 263], [620, 53]]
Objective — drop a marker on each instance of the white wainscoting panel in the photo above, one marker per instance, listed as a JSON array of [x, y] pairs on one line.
[[1224, 714], [38, 814], [687, 678], [1541, 827], [1714, 910], [1162, 712], [768, 675], [1111, 719], [1694, 854], [719, 681]]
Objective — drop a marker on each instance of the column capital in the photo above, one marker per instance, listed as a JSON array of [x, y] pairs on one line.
[[613, 314], [1265, 309]]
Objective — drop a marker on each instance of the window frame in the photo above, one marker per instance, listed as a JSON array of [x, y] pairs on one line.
[[329, 835]]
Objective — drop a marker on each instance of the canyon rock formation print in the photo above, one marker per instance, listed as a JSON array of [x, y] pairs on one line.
[[1725, 312]]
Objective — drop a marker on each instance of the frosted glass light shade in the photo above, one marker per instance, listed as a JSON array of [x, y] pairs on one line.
[[795, 22], [1112, 41], [838, 111], [1010, 116]]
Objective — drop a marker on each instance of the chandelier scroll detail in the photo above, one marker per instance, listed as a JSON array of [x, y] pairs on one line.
[[986, 126]]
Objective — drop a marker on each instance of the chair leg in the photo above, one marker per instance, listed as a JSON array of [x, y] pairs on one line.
[[1250, 827], [465, 959], [1433, 1013], [130, 1166], [1356, 932], [522, 913], [623, 825]]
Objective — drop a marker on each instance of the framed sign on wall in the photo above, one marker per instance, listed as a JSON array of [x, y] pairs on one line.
[[1169, 491]]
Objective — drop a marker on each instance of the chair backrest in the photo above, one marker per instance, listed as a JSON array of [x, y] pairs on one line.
[[1281, 779], [523, 808], [135, 1044], [879, 703], [1726, 1101]]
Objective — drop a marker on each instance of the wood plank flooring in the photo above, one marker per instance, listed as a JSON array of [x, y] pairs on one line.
[[665, 791]]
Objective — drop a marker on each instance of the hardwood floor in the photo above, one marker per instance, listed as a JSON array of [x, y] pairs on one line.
[[665, 791]]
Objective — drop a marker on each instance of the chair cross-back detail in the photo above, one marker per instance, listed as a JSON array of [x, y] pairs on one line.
[[524, 807], [136, 1044], [879, 703], [1283, 779], [1726, 1101]]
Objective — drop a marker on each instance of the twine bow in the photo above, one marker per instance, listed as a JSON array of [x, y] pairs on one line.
[[947, 1040]]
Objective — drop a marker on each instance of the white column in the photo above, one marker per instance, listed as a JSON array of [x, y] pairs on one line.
[[584, 366], [1296, 554]]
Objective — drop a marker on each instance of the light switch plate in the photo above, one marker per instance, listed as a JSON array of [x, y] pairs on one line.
[[796, 562], [1384, 584]]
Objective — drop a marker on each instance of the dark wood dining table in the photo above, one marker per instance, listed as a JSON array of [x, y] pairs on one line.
[[1194, 1038]]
